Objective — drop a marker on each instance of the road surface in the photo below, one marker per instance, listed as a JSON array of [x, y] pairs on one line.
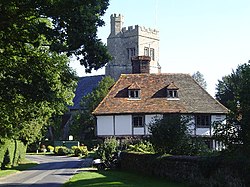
[[52, 171]]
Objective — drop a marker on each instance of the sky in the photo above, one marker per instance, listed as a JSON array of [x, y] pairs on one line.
[[209, 36]]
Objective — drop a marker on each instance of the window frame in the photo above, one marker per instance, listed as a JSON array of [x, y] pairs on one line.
[[138, 120], [146, 51], [134, 94], [152, 53], [172, 93], [203, 121]]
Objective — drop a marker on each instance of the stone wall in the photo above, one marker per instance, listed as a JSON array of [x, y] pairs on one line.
[[196, 171]]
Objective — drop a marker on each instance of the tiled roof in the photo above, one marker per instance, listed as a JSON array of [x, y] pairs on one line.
[[85, 85], [134, 86], [172, 86], [192, 97]]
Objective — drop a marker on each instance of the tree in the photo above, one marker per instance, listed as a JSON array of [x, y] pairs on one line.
[[198, 77], [233, 91], [171, 135], [83, 126], [36, 88], [62, 26], [36, 39]]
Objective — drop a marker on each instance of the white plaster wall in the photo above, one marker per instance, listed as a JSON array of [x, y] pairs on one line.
[[139, 131], [123, 125], [105, 125]]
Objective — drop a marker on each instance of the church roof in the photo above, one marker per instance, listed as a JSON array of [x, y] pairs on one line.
[[85, 85]]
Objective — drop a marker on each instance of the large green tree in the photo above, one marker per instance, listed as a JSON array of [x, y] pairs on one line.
[[233, 92], [68, 26], [83, 126], [36, 39], [171, 134]]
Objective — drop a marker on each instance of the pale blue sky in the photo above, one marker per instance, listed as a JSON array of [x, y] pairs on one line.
[[210, 36]]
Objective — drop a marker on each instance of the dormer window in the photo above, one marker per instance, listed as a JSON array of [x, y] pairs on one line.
[[134, 91], [134, 94], [172, 91], [172, 94]]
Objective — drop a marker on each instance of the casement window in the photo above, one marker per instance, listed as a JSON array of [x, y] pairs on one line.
[[152, 54], [134, 94], [203, 121], [138, 120], [146, 51], [172, 94], [172, 91], [130, 52]]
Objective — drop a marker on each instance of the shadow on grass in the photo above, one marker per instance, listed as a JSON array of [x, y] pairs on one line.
[[118, 178]]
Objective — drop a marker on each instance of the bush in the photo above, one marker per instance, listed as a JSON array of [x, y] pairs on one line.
[[108, 149], [51, 148], [80, 151], [141, 147], [62, 150]]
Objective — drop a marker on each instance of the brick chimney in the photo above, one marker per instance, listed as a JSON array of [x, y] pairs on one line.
[[140, 64]]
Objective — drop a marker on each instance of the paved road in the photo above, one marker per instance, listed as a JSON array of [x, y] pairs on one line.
[[52, 171]]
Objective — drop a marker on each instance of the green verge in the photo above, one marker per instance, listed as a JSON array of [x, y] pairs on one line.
[[21, 167], [117, 178]]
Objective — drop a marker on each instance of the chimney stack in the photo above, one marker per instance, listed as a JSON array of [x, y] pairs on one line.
[[140, 64]]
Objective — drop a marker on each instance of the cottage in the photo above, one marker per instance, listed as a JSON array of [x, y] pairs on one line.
[[136, 99]]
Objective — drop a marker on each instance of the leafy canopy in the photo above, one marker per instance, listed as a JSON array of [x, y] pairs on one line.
[[61, 25], [233, 92]]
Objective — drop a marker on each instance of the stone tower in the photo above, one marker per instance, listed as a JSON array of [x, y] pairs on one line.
[[124, 43]]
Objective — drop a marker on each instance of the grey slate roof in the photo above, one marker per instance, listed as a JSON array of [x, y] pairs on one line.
[[192, 97], [84, 86]]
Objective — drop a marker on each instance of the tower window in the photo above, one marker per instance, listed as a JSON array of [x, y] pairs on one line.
[[130, 52], [152, 54], [146, 51]]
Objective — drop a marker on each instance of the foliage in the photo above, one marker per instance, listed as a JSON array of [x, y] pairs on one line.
[[12, 152], [80, 150], [171, 135], [83, 126], [51, 148], [108, 149], [233, 92], [142, 147], [198, 77], [62, 150], [36, 39], [62, 26]]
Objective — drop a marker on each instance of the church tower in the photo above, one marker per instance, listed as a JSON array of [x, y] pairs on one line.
[[124, 43]]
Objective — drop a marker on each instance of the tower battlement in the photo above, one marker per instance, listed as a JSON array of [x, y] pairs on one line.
[[126, 42]]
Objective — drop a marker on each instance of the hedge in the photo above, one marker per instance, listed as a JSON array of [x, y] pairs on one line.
[[12, 152], [194, 170]]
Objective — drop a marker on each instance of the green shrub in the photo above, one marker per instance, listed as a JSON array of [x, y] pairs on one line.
[[108, 149], [141, 147], [80, 151], [51, 148], [62, 150]]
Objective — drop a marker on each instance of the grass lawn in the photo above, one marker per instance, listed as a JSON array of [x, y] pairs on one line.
[[23, 166], [117, 178]]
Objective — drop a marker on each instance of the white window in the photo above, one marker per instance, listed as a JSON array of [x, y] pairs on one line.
[[146, 51], [152, 54], [172, 94], [134, 94], [138, 120]]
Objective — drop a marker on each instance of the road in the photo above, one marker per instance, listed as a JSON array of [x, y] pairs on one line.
[[52, 171]]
